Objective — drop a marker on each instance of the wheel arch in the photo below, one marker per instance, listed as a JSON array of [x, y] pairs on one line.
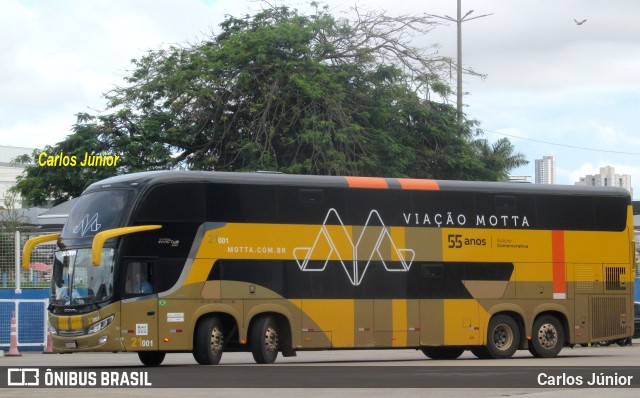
[[229, 323]]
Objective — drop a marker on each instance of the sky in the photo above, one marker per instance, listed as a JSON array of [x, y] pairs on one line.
[[554, 88]]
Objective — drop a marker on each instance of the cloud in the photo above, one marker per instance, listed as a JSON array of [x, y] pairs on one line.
[[59, 57], [572, 176], [611, 136]]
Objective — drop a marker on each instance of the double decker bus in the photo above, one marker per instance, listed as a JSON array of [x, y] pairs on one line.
[[208, 262]]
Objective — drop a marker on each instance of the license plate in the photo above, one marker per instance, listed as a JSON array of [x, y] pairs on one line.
[[70, 344]]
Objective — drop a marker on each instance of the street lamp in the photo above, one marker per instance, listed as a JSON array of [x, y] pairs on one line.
[[459, 20]]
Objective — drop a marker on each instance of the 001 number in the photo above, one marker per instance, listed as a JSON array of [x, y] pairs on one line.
[[140, 342], [221, 240]]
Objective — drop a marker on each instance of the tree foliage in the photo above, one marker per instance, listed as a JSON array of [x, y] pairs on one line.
[[283, 91]]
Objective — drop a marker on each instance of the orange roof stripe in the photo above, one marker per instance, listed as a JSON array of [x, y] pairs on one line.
[[367, 182], [413, 183]]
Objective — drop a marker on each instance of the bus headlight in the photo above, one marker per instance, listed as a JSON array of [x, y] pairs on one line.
[[52, 330], [96, 327]]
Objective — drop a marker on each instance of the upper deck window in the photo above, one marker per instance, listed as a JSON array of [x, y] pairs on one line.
[[183, 202]]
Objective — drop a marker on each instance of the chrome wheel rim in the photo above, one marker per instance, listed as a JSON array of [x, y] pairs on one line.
[[502, 337], [271, 340], [547, 335], [216, 340]]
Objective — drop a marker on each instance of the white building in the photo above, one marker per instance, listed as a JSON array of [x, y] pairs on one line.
[[607, 178], [9, 172], [546, 170]]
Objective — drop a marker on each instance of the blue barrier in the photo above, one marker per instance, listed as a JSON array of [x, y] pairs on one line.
[[27, 294], [31, 325]]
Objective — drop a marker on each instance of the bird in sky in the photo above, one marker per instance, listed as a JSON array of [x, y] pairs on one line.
[[579, 22]]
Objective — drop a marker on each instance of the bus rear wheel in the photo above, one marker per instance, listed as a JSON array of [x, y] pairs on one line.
[[208, 342], [503, 337], [151, 358], [548, 337], [442, 352], [265, 342]]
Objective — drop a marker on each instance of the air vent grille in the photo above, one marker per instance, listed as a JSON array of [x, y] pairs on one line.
[[608, 317], [613, 278]]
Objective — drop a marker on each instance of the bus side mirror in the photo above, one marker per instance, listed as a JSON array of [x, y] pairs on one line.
[[101, 237], [33, 242]]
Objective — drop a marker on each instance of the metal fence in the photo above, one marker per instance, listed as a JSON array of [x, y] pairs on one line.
[[30, 314], [31, 322], [38, 275]]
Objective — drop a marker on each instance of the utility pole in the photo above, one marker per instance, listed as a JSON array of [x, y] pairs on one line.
[[459, 20]]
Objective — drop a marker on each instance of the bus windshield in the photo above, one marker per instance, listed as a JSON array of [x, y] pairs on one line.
[[76, 281], [97, 211]]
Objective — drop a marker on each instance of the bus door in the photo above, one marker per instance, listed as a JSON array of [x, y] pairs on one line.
[[139, 307]]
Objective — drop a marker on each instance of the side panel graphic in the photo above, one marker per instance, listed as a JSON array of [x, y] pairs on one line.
[[335, 240]]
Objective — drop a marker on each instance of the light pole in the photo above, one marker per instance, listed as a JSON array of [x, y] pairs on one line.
[[459, 20]]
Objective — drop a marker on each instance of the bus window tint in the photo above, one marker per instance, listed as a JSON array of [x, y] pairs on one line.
[[438, 205], [311, 204], [241, 203], [139, 278], [432, 270], [173, 202], [97, 211], [610, 213], [565, 212], [169, 270], [371, 208]]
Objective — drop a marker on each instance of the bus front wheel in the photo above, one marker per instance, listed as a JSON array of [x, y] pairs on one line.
[[503, 337], [208, 342], [265, 342], [151, 358], [548, 337]]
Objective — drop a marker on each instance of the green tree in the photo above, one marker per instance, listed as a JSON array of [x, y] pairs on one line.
[[11, 218], [279, 90], [498, 159]]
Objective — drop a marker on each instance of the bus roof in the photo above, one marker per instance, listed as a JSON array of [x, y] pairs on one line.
[[150, 178]]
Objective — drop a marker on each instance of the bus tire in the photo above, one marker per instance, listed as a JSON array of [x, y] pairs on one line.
[[265, 342], [481, 352], [624, 342], [151, 358], [208, 341], [547, 337], [503, 337], [442, 352]]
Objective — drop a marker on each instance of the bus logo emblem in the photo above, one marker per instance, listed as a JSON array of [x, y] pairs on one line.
[[334, 242], [87, 224]]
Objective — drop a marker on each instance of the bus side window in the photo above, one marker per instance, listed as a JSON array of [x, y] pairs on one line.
[[316, 284], [506, 202], [432, 270], [139, 278], [311, 195]]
